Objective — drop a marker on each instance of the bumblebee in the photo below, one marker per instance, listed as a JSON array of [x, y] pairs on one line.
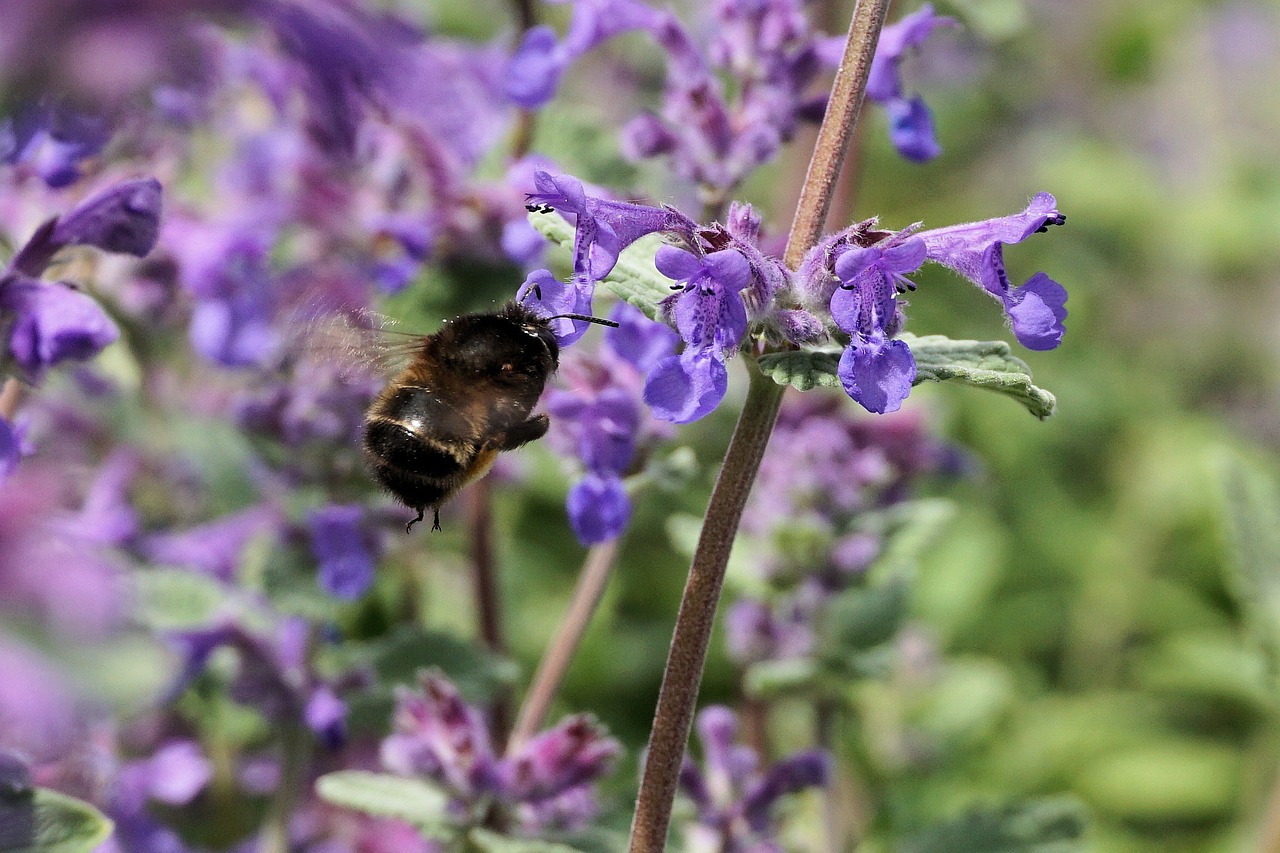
[[466, 395]]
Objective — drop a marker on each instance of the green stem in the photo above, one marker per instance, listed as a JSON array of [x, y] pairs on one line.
[[678, 696]]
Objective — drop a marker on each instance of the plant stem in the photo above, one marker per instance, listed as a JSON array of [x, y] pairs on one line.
[[488, 607], [837, 128], [832, 819], [679, 693], [11, 398], [555, 662]]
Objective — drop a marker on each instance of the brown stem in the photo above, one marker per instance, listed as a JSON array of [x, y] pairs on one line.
[[837, 127], [488, 606], [11, 397], [555, 662], [678, 695]]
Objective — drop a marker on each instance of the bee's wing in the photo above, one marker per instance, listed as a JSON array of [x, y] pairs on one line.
[[359, 344]]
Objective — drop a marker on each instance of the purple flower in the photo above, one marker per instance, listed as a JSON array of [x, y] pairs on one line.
[[711, 318], [53, 140], [177, 772], [733, 798], [876, 371], [553, 297], [638, 340], [124, 218], [213, 548], [976, 251], [52, 323], [603, 227], [568, 756], [439, 736], [10, 448], [326, 715], [545, 782], [339, 545], [534, 71], [910, 125], [598, 507]]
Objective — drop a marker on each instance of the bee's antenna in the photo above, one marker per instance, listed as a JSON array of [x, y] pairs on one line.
[[610, 323]]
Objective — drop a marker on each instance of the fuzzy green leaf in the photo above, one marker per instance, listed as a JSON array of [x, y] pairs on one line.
[[384, 795], [43, 821], [634, 278], [1043, 826], [982, 364]]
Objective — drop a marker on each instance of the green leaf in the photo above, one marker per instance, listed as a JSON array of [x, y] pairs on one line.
[[773, 678], [43, 821], [914, 527], [981, 364], [861, 618], [384, 795], [634, 278], [1040, 826], [491, 842], [1251, 512], [174, 599], [477, 673]]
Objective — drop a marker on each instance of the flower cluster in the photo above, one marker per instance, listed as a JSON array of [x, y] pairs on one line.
[[599, 418], [729, 292], [731, 103], [734, 798], [546, 783]]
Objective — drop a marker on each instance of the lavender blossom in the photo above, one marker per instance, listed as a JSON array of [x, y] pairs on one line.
[[342, 549], [600, 420], [733, 797], [910, 124], [976, 251], [533, 73], [52, 140], [546, 782], [712, 319]]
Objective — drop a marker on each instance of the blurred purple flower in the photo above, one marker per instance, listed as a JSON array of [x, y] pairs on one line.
[[52, 323], [544, 782], [10, 448], [214, 548], [176, 772], [341, 547], [598, 508], [533, 73], [910, 124], [53, 140], [38, 714], [976, 251], [733, 798]]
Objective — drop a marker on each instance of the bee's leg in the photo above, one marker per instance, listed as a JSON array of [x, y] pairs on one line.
[[409, 527], [435, 522], [523, 433]]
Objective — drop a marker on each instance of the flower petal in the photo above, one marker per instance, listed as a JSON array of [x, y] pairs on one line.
[[598, 509], [911, 129], [533, 73], [677, 264], [1037, 310], [684, 388], [877, 373]]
